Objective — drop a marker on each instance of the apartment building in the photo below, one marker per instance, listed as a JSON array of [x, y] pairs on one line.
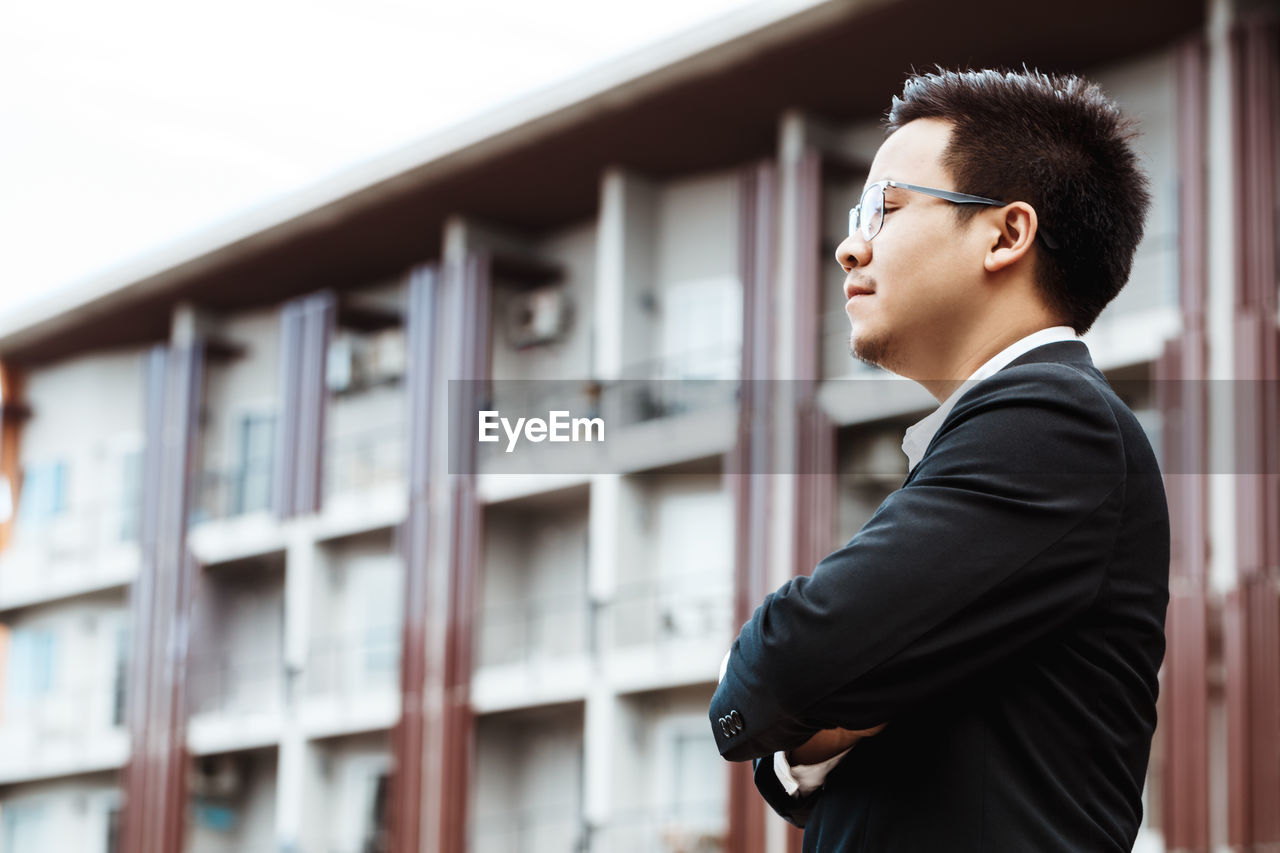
[[257, 595]]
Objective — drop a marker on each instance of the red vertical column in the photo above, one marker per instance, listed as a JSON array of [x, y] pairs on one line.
[[1252, 620], [407, 738], [748, 463], [457, 735], [306, 327], [12, 414], [448, 340], [812, 518], [1181, 395], [155, 778]]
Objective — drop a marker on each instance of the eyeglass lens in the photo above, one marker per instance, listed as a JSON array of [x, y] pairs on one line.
[[867, 217]]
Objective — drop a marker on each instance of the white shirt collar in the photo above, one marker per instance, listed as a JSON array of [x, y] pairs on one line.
[[918, 435]]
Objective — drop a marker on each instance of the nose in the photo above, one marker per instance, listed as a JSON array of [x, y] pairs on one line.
[[852, 252]]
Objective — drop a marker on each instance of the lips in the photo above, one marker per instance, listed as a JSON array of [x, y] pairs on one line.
[[851, 290]]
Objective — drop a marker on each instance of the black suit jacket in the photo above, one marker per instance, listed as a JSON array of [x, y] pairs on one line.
[[1003, 611]]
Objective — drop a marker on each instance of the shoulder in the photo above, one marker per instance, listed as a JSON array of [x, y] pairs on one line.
[[1050, 416]]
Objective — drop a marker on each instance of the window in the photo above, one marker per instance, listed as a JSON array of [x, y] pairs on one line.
[[376, 618], [121, 681], [113, 830], [252, 477], [32, 664], [22, 827], [131, 496], [376, 837], [44, 493], [702, 329], [698, 786]]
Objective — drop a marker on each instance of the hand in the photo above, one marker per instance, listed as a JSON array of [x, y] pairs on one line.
[[829, 743]]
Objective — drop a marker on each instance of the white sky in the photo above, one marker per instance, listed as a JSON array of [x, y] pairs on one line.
[[127, 125]]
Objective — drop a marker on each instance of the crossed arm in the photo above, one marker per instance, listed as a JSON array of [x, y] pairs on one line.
[[978, 555]]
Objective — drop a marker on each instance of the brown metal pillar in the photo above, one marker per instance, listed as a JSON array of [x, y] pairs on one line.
[[12, 414], [1253, 610], [459, 723], [748, 463], [814, 451], [449, 339], [813, 517], [306, 327], [420, 383], [155, 778], [1180, 377]]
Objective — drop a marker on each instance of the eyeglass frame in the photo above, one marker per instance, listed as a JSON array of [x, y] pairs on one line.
[[945, 195]]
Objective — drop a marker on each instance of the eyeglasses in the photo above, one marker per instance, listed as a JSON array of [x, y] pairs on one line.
[[866, 218]]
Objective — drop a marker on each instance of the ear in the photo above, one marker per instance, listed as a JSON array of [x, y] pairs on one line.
[[1013, 232]]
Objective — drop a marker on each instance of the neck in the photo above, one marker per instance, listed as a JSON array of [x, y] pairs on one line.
[[975, 350]]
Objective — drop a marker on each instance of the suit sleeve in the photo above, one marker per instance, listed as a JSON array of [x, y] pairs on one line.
[[795, 810], [1000, 536]]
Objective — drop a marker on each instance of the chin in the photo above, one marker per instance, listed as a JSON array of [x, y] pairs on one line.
[[869, 349]]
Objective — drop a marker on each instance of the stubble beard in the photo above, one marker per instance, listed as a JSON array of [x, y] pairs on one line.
[[870, 349]]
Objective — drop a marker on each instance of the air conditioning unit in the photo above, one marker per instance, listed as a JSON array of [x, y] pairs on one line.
[[386, 356], [218, 776], [356, 361], [342, 368], [537, 317]]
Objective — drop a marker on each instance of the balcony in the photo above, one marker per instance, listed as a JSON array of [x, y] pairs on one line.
[[526, 788], [235, 700], [232, 492], [66, 728], [351, 682], [84, 549], [529, 831], [364, 483], [532, 620], [686, 828], [532, 652], [660, 612], [231, 802]]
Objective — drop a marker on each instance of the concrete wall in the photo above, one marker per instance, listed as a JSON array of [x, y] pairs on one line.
[[698, 291], [66, 814], [533, 584], [356, 615], [86, 412], [527, 792], [244, 386], [237, 666], [670, 782], [341, 804], [1144, 90], [240, 816], [569, 357], [69, 703]]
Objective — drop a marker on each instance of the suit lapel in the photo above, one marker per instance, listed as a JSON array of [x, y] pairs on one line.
[[1074, 353]]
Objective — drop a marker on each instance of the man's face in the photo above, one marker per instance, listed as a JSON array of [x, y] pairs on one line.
[[913, 285]]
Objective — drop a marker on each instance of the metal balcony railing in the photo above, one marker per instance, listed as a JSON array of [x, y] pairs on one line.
[[363, 460], [352, 663], [692, 827], [529, 830], [667, 386], [226, 493], [533, 629], [696, 379], [81, 709], [220, 683], [663, 610], [79, 544]]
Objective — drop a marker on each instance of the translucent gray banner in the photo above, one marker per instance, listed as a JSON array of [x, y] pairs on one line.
[[586, 427]]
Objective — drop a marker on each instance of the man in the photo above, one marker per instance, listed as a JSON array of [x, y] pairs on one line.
[[976, 669]]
